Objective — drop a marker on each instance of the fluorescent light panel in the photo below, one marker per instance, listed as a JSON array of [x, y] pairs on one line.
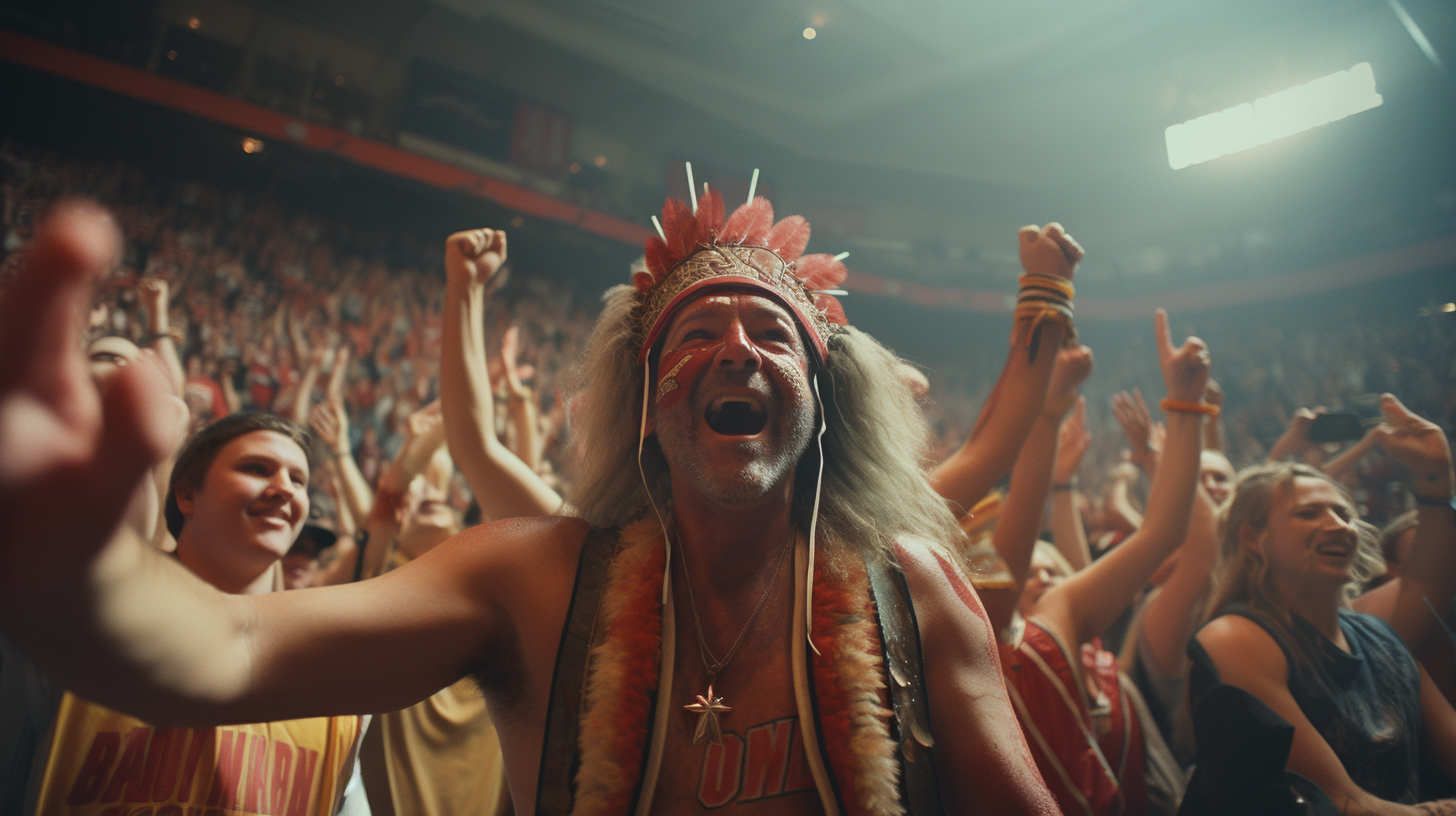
[[1275, 116]]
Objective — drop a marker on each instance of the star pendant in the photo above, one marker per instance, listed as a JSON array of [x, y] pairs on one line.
[[708, 708]]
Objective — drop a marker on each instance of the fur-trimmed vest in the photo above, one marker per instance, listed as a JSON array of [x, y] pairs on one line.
[[605, 728]]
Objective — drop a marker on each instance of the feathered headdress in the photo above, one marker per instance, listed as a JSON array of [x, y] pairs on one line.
[[698, 250]]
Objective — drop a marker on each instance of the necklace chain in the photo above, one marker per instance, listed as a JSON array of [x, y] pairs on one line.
[[710, 663]]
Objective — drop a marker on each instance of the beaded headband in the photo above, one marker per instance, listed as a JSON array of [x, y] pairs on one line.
[[697, 249]]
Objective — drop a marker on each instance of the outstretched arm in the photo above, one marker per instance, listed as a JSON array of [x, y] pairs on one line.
[[968, 474], [504, 486], [1088, 602]]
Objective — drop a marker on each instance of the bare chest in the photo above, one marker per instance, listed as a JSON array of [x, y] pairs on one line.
[[760, 767]]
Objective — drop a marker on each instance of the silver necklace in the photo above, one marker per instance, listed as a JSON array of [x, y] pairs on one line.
[[708, 706]]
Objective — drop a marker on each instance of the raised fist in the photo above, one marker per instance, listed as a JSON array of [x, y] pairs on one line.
[[1049, 250], [475, 256]]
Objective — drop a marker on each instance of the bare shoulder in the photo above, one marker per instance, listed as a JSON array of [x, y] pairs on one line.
[[946, 604], [1242, 651]]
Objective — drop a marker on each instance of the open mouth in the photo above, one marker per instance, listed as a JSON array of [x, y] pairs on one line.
[[736, 416]]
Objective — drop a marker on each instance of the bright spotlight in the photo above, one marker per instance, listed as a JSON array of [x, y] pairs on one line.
[[810, 33], [1448, 307], [1275, 116], [251, 145]]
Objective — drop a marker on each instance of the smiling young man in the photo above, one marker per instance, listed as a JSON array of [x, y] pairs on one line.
[[237, 502], [759, 603]]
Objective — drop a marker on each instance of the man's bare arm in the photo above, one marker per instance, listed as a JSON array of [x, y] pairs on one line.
[[982, 760], [504, 486]]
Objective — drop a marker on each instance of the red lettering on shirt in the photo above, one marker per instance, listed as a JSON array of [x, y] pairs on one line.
[[722, 772], [129, 770], [768, 762], [93, 769], [229, 771], [201, 738], [256, 800], [278, 794], [768, 759], [164, 758], [303, 770]]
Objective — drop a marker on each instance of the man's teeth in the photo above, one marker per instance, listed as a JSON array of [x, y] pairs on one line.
[[717, 405]]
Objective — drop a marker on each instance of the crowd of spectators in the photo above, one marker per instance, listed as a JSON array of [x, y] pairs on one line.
[[347, 328]]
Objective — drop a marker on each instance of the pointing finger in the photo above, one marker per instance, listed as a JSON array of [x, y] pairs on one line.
[[1164, 336]]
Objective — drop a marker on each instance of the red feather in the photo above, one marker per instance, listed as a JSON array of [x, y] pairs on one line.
[[820, 271], [710, 217], [679, 226], [659, 261], [749, 224], [832, 309], [789, 237]]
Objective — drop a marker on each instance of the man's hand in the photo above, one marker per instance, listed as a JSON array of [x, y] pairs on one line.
[[1049, 250], [60, 440], [475, 257], [1417, 443], [1185, 369], [1071, 369], [1072, 441]]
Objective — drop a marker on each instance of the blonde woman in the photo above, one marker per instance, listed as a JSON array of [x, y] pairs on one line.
[[1293, 549]]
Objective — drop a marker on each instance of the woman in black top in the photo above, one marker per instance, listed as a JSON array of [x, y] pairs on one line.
[[1363, 710]]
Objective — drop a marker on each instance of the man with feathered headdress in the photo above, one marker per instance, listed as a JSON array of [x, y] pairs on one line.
[[760, 603]]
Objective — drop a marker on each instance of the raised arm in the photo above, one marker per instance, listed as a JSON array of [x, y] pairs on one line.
[[303, 397], [156, 297], [330, 420], [967, 475], [1068, 534], [522, 409], [504, 486], [1428, 573], [1341, 466], [1088, 602], [1019, 523], [1172, 614]]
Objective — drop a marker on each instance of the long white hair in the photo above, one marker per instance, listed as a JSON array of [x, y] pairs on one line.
[[875, 488]]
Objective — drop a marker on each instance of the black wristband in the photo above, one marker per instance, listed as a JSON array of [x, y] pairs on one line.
[[1072, 485]]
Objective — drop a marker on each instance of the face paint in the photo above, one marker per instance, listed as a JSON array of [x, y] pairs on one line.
[[683, 370]]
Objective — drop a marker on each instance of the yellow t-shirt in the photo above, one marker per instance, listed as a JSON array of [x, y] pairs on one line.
[[105, 763]]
